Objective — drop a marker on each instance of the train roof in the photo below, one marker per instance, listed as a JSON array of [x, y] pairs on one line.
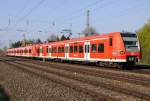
[[71, 40]]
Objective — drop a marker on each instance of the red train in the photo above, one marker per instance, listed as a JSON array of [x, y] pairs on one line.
[[115, 48]]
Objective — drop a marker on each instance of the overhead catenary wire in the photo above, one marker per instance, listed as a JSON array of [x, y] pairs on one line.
[[31, 10], [84, 12], [25, 6], [94, 10], [35, 7], [81, 9], [80, 14], [123, 12], [74, 12]]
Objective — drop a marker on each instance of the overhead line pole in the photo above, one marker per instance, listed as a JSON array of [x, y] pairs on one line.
[[88, 19]]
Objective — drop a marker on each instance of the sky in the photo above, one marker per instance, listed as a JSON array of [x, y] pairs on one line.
[[41, 18]]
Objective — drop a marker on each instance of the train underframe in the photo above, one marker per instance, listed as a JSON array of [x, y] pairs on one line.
[[131, 61]]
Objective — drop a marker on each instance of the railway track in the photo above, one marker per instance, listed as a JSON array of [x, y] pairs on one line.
[[139, 80], [140, 69], [124, 76], [75, 84], [86, 78], [82, 78]]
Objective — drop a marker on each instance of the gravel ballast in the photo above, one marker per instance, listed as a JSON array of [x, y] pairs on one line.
[[25, 86]]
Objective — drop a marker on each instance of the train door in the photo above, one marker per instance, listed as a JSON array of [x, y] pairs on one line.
[[87, 51], [33, 52], [37, 51], [111, 51], [40, 51], [66, 50], [44, 51], [49, 51]]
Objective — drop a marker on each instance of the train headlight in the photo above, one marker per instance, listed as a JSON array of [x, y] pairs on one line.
[[122, 52]]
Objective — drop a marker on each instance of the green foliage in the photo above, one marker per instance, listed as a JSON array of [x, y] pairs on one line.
[[16, 44], [52, 38], [89, 31], [144, 37], [25, 42], [64, 38]]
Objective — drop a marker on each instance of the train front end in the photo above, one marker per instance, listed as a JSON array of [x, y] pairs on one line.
[[132, 47]]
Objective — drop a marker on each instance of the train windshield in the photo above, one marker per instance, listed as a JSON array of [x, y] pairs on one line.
[[130, 41]]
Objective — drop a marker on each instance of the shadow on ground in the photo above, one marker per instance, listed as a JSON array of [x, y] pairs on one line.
[[3, 95], [140, 66]]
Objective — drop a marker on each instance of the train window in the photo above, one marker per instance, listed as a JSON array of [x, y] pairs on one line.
[[94, 48], [50, 50], [23, 51], [29, 50], [71, 49], [101, 48], [133, 43], [41, 50], [66, 49], [87, 48], [110, 41], [128, 35], [80, 49], [37, 50], [62, 49], [47, 50], [59, 49], [55, 49], [75, 49]]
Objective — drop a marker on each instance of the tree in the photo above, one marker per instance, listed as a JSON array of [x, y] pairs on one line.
[[1, 52], [52, 38], [89, 31], [16, 44], [37, 41], [30, 41], [63, 37], [144, 37]]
